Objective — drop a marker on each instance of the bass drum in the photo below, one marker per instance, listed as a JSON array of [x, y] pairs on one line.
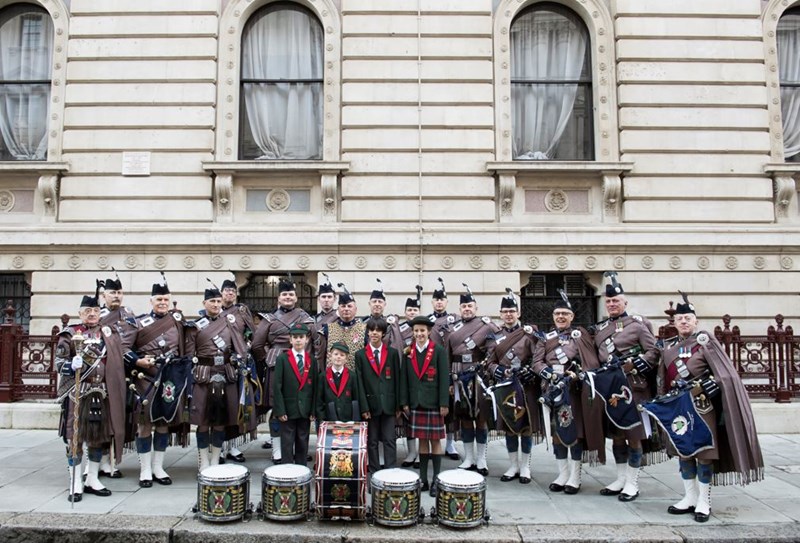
[[341, 471]]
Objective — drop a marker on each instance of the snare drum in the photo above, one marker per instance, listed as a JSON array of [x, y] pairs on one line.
[[395, 497], [286, 492], [223, 492], [461, 498]]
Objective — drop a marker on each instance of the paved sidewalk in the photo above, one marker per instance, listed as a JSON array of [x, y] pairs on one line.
[[33, 490]]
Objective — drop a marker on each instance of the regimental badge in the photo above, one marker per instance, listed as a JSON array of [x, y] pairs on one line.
[[147, 321], [486, 320], [528, 329], [564, 415], [404, 327], [168, 393], [106, 331], [231, 318], [451, 319], [637, 318], [702, 339], [177, 316], [458, 326], [551, 334], [201, 323], [391, 319], [680, 425], [576, 334]]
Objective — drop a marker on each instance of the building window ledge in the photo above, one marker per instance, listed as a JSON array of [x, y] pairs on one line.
[[226, 172], [609, 174], [784, 189], [47, 175]]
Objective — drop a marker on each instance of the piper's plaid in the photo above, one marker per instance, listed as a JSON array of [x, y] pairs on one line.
[[427, 424]]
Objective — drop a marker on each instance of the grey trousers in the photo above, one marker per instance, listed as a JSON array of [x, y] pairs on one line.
[[380, 429], [294, 441]]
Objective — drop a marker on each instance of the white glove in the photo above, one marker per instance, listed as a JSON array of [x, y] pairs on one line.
[[77, 362]]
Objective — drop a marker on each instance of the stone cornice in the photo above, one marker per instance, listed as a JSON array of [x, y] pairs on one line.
[[559, 166], [35, 167], [243, 167]]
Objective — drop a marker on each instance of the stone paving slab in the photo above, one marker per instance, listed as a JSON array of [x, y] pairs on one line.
[[599, 533], [774, 533], [66, 528]]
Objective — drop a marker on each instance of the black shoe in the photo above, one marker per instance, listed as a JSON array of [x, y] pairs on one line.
[[236, 457], [116, 474], [382, 465], [166, 481], [524, 480], [103, 492], [406, 464], [74, 497], [700, 517], [627, 497], [416, 464], [453, 456], [473, 467], [425, 487], [221, 460], [506, 478], [483, 471], [672, 510], [571, 489], [556, 487], [145, 484], [277, 461], [266, 445], [432, 491], [609, 492]]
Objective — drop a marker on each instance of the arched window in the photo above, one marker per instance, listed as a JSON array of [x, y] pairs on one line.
[[281, 85], [551, 85], [26, 55], [788, 37]]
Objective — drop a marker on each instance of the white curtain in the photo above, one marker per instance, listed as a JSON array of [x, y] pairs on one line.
[[285, 118], [26, 53], [789, 71], [544, 46]]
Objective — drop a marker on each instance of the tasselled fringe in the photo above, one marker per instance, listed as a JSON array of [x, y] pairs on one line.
[[738, 478]]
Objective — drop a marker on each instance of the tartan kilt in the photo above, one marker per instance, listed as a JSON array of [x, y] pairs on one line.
[[427, 424]]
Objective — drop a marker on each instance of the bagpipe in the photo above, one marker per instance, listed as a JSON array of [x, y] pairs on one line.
[[170, 386], [557, 400], [676, 412], [469, 389], [610, 383], [249, 386], [509, 401]]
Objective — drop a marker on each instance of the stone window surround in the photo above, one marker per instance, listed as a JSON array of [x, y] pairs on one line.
[[783, 173], [48, 173], [226, 167], [606, 168]]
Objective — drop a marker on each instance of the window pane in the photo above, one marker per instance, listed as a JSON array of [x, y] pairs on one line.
[[281, 104], [26, 54], [545, 129], [788, 37], [551, 86]]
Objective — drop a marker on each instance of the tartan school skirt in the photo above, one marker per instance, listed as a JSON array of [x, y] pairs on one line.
[[427, 424]]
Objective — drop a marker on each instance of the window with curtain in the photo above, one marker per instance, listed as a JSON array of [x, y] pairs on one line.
[[551, 85], [788, 37], [281, 84], [26, 55]]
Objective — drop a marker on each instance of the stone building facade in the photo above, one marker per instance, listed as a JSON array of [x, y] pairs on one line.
[[680, 180]]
